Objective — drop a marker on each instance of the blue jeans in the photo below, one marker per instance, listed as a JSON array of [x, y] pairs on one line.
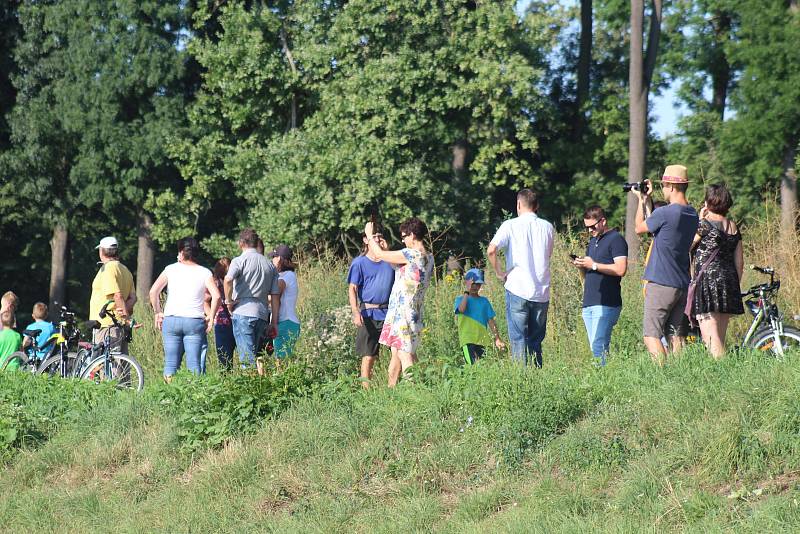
[[248, 331], [183, 335], [226, 344], [527, 325], [599, 321]]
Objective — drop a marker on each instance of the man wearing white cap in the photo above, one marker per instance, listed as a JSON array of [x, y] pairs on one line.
[[113, 282]]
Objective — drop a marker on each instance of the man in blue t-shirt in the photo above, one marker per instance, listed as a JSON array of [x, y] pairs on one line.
[[603, 267], [667, 272], [370, 283]]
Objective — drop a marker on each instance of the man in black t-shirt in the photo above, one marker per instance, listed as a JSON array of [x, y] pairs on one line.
[[604, 265]]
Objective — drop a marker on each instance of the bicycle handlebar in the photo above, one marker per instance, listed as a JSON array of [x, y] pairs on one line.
[[763, 270]]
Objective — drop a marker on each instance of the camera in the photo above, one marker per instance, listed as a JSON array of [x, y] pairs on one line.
[[640, 186]]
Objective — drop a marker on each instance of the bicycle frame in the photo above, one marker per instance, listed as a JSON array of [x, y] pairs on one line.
[[766, 310]]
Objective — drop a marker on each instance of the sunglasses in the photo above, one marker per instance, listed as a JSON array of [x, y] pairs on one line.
[[592, 227], [403, 236]]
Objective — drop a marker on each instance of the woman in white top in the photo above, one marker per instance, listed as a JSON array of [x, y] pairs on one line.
[[288, 323], [184, 322]]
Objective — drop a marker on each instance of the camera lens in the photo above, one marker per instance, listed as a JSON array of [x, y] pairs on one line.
[[627, 187]]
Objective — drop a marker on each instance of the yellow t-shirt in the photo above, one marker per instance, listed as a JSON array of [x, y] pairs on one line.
[[112, 277]]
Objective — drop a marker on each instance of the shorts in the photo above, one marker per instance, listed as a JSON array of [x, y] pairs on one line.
[[472, 353], [367, 337], [663, 311]]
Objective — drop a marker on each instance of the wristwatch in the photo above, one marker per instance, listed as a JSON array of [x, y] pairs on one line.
[[594, 266]]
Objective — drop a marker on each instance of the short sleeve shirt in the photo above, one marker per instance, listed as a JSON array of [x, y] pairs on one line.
[[47, 330], [673, 228], [113, 277], [10, 341], [528, 244], [473, 324], [604, 289], [254, 279], [374, 280]]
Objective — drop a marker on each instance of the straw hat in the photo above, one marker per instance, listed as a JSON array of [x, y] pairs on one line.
[[675, 174]]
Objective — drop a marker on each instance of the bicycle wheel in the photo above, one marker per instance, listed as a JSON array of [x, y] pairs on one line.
[[52, 365], [17, 360], [120, 368], [764, 340]]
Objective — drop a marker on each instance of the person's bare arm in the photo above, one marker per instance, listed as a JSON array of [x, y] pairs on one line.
[[738, 259], [120, 306], [227, 287], [155, 298], [352, 296], [497, 341], [212, 307], [644, 208], [390, 256], [131, 301], [491, 253], [618, 268], [275, 304]]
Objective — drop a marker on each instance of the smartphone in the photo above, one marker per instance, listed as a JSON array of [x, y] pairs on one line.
[[573, 257]]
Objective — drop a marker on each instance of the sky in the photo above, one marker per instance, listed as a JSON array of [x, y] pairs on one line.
[[666, 108]]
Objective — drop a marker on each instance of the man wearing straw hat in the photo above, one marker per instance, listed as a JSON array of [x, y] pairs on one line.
[[667, 273]]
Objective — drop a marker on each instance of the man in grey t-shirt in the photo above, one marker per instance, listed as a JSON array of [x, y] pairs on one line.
[[251, 279]]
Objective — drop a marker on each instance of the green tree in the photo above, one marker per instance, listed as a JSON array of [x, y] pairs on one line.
[[100, 91], [760, 143], [416, 107]]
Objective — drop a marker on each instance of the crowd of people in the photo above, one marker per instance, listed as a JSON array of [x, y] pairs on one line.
[[249, 302]]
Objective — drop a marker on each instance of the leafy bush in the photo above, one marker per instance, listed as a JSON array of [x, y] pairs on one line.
[[211, 409]]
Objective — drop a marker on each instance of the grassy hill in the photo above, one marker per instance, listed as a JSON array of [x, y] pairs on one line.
[[698, 445]]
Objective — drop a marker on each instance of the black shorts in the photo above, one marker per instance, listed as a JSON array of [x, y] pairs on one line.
[[367, 337], [472, 353]]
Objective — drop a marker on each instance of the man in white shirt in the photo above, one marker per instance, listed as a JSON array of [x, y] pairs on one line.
[[528, 243]]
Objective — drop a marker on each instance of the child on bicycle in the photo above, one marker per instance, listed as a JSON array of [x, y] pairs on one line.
[[10, 340], [40, 322], [475, 317]]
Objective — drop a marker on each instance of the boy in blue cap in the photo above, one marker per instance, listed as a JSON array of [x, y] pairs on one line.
[[475, 317]]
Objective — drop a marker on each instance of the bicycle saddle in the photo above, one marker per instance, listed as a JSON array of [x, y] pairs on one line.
[[33, 332]]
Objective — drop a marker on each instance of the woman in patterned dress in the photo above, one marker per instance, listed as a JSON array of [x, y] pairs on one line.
[[413, 267], [718, 295]]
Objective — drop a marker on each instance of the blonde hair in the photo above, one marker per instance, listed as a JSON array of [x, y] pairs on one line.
[[10, 300], [39, 310]]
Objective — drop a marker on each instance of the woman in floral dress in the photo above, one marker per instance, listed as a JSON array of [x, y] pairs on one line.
[[413, 267]]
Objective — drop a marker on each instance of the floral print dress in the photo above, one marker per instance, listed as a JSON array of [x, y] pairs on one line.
[[403, 324]]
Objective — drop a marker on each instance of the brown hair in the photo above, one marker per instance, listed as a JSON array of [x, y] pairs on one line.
[[39, 310], [414, 226], [529, 199], [189, 247], [249, 238], [7, 318], [285, 264], [221, 268], [594, 212], [718, 199]]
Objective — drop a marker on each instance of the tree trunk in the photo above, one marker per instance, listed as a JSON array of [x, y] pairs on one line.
[[584, 66], [145, 256], [59, 259], [720, 67], [640, 73], [789, 193], [460, 151]]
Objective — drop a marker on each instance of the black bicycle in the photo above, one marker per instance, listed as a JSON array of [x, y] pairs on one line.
[[63, 359], [103, 362], [767, 332]]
